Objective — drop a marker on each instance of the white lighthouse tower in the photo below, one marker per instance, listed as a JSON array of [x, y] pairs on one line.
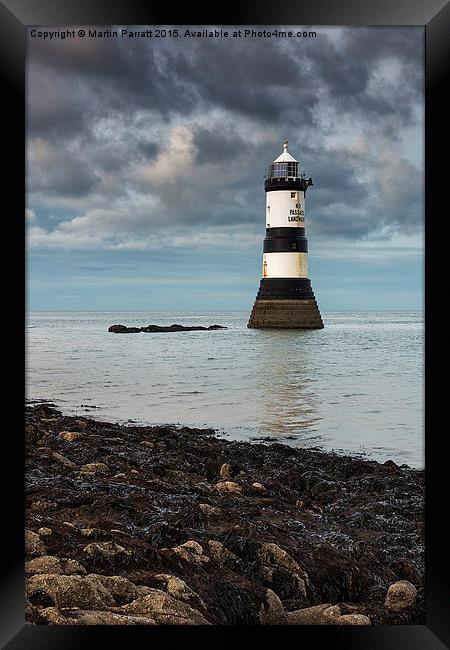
[[285, 298]]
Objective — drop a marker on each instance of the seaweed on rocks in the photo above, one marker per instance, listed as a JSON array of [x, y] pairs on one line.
[[155, 525]]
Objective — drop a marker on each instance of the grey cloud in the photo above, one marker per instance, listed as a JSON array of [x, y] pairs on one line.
[[301, 91], [148, 149], [215, 146], [53, 170]]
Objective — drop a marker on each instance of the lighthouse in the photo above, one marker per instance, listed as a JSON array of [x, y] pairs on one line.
[[285, 299]]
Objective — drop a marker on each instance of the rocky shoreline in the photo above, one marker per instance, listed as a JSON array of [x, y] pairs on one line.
[[130, 525]]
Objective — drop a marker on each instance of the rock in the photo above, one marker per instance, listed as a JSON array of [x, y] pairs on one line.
[[190, 551], [92, 532], [122, 590], [52, 564], [165, 610], [49, 590], [39, 505], [259, 486], [273, 554], [228, 486], [104, 550], [325, 614], [71, 436], [389, 464], [83, 617], [353, 619], [209, 510], [400, 596], [44, 532], [226, 471], [122, 329], [63, 460], [178, 589], [120, 475], [95, 468], [219, 552], [33, 545], [43, 564], [272, 610]]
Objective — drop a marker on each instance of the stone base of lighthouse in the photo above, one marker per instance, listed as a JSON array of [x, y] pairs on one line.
[[285, 303]]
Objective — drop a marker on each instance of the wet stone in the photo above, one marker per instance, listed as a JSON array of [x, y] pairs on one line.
[[71, 436], [104, 550], [228, 486], [95, 468], [165, 610], [44, 532], [353, 619], [401, 596], [33, 544]]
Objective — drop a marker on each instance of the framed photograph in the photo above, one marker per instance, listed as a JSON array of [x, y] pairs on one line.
[[225, 300]]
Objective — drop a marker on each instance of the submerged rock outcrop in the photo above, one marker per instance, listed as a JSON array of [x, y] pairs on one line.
[[122, 329]]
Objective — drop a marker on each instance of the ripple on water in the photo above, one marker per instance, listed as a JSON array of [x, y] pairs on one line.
[[295, 384]]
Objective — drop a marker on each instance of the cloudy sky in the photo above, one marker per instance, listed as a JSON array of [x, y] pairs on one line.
[[146, 160]]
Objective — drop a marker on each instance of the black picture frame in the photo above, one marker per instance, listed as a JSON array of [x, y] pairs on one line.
[[15, 17]]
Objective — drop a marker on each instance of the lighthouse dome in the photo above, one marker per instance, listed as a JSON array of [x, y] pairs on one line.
[[285, 166], [285, 156]]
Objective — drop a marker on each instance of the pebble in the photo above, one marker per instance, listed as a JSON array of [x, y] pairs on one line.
[[71, 436], [259, 486], [91, 532], [225, 471], [228, 486], [95, 468], [62, 459], [44, 532]]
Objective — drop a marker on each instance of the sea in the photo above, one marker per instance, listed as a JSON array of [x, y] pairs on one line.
[[356, 387]]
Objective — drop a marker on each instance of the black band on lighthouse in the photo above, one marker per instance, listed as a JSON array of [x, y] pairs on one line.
[[285, 232], [272, 184], [285, 245], [285, 289]]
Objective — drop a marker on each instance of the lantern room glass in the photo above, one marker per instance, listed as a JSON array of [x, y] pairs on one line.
[[283, 170]]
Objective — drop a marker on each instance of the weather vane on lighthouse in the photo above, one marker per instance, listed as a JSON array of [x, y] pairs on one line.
[[285, 299]]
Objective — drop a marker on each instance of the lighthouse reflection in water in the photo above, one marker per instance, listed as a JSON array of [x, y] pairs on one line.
[[292, 404]]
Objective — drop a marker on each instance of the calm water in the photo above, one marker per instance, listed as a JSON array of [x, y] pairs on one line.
[[355, 387]]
